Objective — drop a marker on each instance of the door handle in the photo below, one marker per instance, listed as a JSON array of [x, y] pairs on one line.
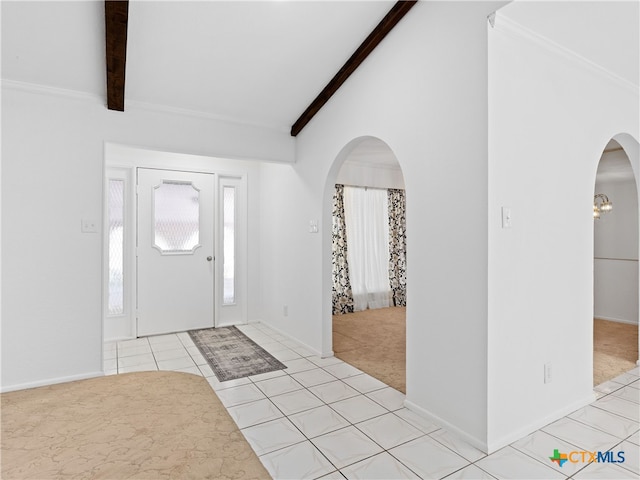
[[209, 258]]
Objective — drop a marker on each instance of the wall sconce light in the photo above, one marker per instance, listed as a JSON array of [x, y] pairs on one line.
[[601, 204]]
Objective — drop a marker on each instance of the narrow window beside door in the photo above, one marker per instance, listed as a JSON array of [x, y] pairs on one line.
[[228, 241], [116, 247]]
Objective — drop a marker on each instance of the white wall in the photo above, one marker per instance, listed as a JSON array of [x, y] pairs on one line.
[[551, 115], [246, 307], [52, 155], [359, 174], [616, 290], [429, 79], [487, 308], [616, 253]]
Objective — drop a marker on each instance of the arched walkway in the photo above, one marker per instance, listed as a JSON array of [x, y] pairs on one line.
[[616, 253], [373, 339]]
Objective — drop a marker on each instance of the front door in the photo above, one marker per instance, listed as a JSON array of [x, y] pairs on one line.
[[174, 251]]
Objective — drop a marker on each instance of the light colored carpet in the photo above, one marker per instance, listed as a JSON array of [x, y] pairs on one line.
[[152, 425], [615, 349], [375, 342]]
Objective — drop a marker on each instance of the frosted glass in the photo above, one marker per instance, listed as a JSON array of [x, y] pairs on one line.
[[176, 217], [116, 247], [229, 244]]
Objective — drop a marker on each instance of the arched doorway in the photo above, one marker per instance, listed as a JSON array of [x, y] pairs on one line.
[[366, 198], [616, 269]]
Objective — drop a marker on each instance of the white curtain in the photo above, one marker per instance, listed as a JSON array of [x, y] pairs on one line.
[[367, 221]]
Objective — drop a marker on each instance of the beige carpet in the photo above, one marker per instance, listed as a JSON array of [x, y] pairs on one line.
[[374, 341], [152, 425], [615, 349]]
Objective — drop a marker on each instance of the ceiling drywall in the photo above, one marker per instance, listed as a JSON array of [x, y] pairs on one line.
[[605, 32], [614, 165], [259, 62], [256, 62]]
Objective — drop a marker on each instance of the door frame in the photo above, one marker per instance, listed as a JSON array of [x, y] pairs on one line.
[[122, 161], [187, 264]]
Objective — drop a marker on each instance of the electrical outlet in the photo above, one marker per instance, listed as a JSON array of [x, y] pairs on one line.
[[547, 373], [89, 226], [285, 310], [506, 217]]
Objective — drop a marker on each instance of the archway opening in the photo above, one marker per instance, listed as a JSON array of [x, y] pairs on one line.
[[615, 309], [368, 260]]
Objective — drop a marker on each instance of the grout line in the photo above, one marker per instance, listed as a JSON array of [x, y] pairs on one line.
[[594, 426], [539, 460], [285, 416], [264, 331], [615, 413], [349, 423], [355, 425]]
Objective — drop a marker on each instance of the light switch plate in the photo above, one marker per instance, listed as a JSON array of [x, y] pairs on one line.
[[547, 373]]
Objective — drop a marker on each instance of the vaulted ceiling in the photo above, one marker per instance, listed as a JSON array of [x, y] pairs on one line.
[[256, 62], [604, 32], [259, 62]]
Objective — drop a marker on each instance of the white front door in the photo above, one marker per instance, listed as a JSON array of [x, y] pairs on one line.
[[175, 248]]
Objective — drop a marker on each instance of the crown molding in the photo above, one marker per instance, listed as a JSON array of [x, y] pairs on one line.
[[50, 90], [133, 105], [159, 108], [510, 27]]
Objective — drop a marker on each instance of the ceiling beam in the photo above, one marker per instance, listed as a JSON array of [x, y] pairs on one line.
[[116, 15], [370, 43]]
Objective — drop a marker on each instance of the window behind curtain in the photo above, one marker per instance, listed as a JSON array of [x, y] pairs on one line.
[[367, 222]]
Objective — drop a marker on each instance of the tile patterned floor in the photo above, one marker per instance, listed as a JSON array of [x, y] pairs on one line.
[[323, 418]]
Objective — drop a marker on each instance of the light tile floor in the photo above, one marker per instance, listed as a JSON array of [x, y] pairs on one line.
[[323, 418]]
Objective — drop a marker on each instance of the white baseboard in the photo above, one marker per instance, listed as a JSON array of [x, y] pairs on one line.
[[51, 381], [539, 423], [493, 446], [117, 339], [618, 320], [446, 425], [285, 334]]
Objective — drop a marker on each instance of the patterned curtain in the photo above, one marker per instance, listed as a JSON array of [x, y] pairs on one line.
[[342, 296], [397, 247]]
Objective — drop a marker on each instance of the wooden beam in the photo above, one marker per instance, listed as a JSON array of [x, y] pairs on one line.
[[116, 15], [390, 20]]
